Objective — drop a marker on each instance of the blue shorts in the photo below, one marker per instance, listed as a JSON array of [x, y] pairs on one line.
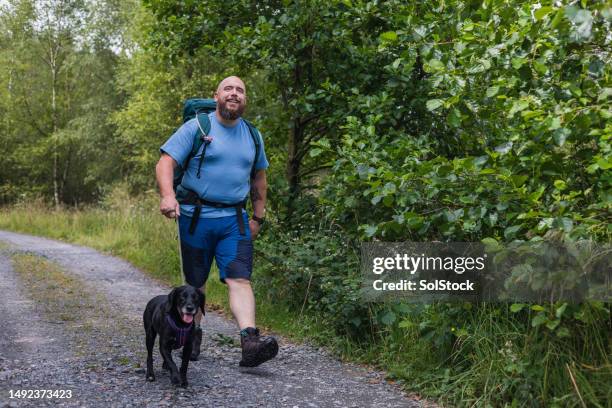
[[217, 238]]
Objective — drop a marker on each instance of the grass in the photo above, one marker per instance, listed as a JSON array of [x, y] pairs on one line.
[[132, 232], [499, 361]]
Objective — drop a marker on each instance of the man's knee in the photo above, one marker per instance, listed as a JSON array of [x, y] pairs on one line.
[[237, 283]]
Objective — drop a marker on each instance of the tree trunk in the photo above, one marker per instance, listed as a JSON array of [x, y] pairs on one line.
[[62, 187], [56, 196]]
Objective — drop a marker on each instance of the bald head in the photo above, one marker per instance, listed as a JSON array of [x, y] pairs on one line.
[[231, 80], [231, 99]]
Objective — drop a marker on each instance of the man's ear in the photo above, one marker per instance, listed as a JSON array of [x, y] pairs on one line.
[[202, 300], [171, 300]]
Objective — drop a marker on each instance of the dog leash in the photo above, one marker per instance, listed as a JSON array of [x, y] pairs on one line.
[[180, 253]]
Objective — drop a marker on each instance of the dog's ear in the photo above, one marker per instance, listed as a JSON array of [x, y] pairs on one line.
[[171, 300], [201, 300]]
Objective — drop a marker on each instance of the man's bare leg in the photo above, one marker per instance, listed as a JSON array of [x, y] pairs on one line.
[[242, 302], [256, 349]]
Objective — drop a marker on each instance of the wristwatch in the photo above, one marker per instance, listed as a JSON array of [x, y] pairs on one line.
[[260, 221]]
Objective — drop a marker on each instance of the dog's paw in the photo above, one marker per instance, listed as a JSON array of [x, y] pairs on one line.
[[175, 380], [150, 378], [184, 383]]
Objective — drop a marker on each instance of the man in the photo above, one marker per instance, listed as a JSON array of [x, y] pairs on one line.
[[214, 227]]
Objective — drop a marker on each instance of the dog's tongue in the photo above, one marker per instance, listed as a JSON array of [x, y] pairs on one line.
[[187, 318]]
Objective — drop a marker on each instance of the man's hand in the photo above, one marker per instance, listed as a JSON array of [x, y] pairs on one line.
[[255, 228], [169, 207]]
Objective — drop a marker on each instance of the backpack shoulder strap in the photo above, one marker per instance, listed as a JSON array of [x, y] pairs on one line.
[[196, 143], [256, 136], [203, 122], [199, 137]]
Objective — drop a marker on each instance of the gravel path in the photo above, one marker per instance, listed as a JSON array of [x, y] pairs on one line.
[[99, 357]]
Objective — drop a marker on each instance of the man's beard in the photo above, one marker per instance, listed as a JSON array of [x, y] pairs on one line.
[[228, 114]]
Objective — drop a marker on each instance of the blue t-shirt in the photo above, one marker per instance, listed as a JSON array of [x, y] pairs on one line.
[[225, 174]]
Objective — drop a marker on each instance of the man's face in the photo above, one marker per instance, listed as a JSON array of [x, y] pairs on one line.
[[231, 98]]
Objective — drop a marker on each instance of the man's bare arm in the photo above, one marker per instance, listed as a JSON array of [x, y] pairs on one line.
[[164, 172], [259, 192]]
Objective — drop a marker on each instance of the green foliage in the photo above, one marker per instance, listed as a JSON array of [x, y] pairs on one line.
[[312, 275], [453, 121], [312, 58], [493, 122], [56, 100], [156, 87], [509, 150]]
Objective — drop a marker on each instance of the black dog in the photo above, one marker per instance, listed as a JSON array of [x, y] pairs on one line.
[[171, 316]]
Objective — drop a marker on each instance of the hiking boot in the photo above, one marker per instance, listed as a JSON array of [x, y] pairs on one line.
[[256, 349]]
